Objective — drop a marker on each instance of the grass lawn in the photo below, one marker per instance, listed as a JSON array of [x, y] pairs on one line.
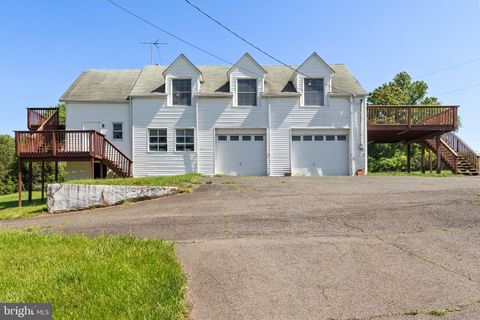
[[183, 182], [444, 174], [93, 278], [9, 209]]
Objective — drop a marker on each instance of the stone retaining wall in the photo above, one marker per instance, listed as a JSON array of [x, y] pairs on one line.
[[69, 197]]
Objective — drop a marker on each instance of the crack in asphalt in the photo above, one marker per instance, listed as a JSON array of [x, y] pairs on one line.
[[427, 260]]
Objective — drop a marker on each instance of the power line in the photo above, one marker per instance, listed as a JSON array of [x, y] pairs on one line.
[[237, 35], [167, 32], [252, 44], [448, 68], [457, 90], [207, 52]]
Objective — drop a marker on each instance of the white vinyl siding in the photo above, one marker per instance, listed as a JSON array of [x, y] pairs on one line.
[[79, 113], [154, 113]]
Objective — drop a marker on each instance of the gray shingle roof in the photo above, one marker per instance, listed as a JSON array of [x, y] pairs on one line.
[[108, 85], [102, 85]]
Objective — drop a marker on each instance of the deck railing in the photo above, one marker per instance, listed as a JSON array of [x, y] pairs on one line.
[[36, 117], [71, 144], [412, 116], [461, 148]]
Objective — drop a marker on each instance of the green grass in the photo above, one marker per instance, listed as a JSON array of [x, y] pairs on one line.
[[93, 278], [9, 209], [438, 313], [183, 182], [444, 174]]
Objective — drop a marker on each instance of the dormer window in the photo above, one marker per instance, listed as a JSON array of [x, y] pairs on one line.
[[247, 92], [314, 92], [182, 92]]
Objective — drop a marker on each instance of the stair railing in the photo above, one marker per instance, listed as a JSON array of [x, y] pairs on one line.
[[462, 149]]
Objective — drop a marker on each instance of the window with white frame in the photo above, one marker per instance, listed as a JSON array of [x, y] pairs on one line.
[[314, 92], [117, 131], [247, 92], [157, 140], [185, 140], [182, 92]]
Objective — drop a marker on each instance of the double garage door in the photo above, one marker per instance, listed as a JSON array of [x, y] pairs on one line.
[[241, 153], [313, 152], [320, 152]]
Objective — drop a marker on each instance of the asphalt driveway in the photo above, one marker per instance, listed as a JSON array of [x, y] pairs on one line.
[[312, 248]]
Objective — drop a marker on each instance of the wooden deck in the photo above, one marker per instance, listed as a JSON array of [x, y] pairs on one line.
[[408, 123], [71, 145]]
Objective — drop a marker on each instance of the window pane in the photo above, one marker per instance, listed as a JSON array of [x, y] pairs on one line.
[[318, 138], [180, 139], [189, 140], [247, 99], [314, 92], [162, 139], [162, 132], [189, 147], [222, 138], [117, 126], [246, 138], [180, 147], [296, 138], [153, 139], [247, 85], [307, 138], [258, 138], [153, 132], [162, 147], [189, 132], [247, 92], [342, 138], [330, 138], [234, 138], [117, 135], [182, 92], [153, 147]]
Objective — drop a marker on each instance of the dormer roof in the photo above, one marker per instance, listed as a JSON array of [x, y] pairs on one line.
[[317, 58], [184, 58], [245, 57]]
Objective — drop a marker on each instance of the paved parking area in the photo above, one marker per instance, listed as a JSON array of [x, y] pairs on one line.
[[312, 248]]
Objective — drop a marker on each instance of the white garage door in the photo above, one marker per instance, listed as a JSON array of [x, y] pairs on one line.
[[320, 153], [241, 154]]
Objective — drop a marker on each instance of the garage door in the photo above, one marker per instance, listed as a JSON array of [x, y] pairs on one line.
[[241, 154], [320, 153]]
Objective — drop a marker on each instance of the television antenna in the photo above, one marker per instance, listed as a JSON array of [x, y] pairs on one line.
[[157, 45]]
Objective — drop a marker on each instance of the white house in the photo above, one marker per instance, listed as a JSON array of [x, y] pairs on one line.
[[248, 119]]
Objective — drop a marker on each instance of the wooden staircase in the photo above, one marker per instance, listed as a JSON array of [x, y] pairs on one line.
[[48, 140], [456, 154]]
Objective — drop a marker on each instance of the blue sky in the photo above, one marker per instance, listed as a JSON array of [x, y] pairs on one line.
[[45, 45]]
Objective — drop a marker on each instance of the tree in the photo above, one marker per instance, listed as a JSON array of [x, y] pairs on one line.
[[402, 90]]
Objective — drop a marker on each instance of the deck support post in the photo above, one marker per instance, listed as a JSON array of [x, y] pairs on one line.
[[92, 168], [423, 157], [430, 160], [439, 155], [30, 180], [56, 171], [19, 182], [43, 181], [409, 160]]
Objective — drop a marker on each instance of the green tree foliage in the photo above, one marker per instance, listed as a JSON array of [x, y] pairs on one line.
[[402, 90], [7, 161]]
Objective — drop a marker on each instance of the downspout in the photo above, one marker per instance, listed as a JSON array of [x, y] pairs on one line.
[[269, 138], [197, 149], [131, 134], [352, 163]]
